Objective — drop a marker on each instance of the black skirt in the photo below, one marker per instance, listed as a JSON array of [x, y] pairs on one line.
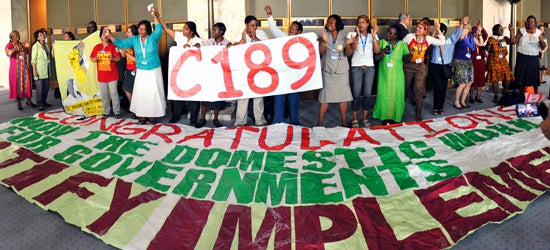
[[526, 71], [219, 105]]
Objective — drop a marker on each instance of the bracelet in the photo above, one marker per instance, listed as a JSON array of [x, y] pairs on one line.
[[324, 44]]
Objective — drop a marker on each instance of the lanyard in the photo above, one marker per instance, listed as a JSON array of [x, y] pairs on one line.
[[333, 42], [143, 45], [392, 49], [363, 42], [420, 46]]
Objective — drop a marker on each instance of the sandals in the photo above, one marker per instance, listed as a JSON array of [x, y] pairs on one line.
[[366, 123], [435, 112], [142, 121], [355, 124], [441, 112], [117, 116]]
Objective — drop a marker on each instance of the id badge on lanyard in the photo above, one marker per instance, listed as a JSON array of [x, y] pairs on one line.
[[143, 45]]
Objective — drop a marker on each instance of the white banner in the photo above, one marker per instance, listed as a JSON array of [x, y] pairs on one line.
[[272, 67]]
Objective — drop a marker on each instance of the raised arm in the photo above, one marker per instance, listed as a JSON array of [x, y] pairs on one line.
[[158, 18], [323, 43], [514, 38], [272, 24]]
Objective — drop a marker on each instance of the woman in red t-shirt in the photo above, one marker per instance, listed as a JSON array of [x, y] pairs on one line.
[[106, 55]]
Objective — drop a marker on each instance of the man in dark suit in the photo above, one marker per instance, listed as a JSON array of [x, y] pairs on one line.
[[402, 25]]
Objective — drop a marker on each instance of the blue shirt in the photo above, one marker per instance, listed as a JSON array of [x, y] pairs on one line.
[[150, 59], [448, 49], [464, 47]]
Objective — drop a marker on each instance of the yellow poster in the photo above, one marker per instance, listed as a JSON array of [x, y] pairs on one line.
[[77, 76]]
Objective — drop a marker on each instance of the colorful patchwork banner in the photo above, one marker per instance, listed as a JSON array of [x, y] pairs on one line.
[[77, 76], [169, 186]]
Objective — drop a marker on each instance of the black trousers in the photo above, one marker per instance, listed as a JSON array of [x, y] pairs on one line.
[[178, 106], [440, 84]]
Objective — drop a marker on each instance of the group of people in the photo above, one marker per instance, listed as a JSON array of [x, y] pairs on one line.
[[404, 60], [20, 82]]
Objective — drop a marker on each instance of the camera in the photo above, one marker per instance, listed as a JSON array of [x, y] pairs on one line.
[[528, 109]]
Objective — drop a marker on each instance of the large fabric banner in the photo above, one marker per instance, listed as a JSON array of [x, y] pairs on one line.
[[421, 184], [265, 68], [77, 76]]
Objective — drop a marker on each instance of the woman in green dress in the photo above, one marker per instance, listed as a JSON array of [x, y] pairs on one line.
[[390, 99]]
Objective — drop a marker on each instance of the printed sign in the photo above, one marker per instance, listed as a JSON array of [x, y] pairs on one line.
[[272, 67]]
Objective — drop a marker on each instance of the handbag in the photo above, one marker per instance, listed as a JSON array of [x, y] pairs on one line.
[[509, 98], [447, 69]]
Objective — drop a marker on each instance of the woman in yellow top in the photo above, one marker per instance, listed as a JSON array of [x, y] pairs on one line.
[[40, 60]]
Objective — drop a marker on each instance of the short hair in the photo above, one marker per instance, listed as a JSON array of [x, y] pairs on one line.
[[403, 15], [425, 24], [193, 27], [134, 29], [71, 35], [496, 28], [221, 27], [91, 27], [339, 22], [249, 19], [147, 26], [12, 34], [36, 34], [299, 24], [443, 28], [534, 18]]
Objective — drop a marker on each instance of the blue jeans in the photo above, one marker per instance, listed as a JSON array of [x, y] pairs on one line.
[[361, 85], [42, 89], [293, 105]]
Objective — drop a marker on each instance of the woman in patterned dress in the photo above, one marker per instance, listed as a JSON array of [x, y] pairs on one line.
[[498, 68], [19, 77]]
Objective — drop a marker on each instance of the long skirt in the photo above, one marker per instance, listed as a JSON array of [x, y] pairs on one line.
[[148, 99], [526, 71]]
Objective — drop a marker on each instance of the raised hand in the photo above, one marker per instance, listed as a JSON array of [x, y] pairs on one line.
[[374, 28], [267, 9], [324, 37]]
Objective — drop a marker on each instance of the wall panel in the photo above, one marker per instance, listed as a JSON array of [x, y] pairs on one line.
[[58, 13], [175, 10], [82, 11], [279, 7], [350, 8], [387, 8], [111, 12], [310, 8], [423, 8], [137, 10], [454, 8]]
